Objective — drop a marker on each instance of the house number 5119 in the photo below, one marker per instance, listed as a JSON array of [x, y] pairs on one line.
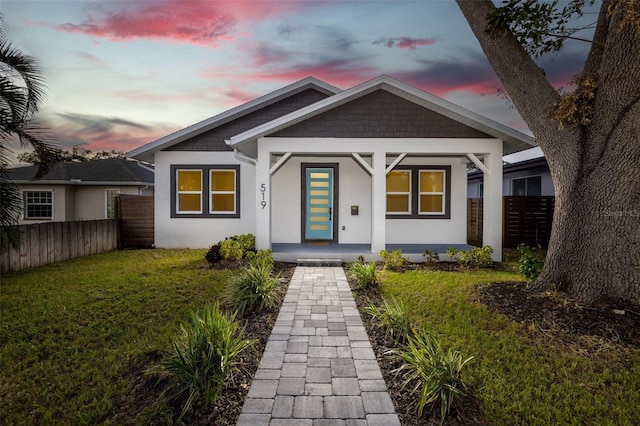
[[263, 189]]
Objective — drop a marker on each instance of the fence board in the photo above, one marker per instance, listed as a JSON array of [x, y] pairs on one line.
[[52, 242], [136, 221]]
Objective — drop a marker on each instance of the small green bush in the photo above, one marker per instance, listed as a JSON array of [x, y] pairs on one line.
[[436, 374], [365, 274], [260, 257], [393, 261], [231, 249], [247, 242], [530, 264], [393, 319], [252, 290], [476, 257], [213, 256], [431, 257], [203, 356]]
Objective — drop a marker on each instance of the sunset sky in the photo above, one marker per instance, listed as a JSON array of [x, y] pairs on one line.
[[124, 73]]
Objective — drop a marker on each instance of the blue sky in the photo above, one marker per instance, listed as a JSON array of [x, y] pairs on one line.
[[124, 73]]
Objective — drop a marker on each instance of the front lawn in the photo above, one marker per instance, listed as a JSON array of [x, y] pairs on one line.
[[522, 374], [77, 336]]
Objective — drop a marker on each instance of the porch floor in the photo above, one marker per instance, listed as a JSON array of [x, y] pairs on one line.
[[291, 252]]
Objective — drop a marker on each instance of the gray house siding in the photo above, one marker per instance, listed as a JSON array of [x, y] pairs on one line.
[[381, 115], [213, 140]]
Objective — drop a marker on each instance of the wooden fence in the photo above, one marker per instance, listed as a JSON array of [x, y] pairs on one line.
[[45, 243], [136, 221], [525, 220]]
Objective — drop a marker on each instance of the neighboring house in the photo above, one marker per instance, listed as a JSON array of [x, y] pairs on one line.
[[524, 178], [79, 191], [381, 165]]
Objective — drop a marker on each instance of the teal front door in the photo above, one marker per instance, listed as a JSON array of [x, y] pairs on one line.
[[319, 204]]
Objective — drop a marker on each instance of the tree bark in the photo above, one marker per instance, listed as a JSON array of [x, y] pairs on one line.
[[594, 251]]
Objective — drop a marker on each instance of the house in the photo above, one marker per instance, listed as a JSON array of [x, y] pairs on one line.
[[524, 178], [312, 170], [79, 191]]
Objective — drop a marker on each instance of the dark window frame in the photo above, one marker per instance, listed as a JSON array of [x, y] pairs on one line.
[[415, 193], [206, 191], [526, 185]]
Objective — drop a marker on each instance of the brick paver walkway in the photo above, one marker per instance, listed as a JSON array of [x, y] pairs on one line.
[[318, 367]]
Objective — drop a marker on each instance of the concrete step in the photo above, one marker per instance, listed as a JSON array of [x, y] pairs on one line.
[[319, 262]]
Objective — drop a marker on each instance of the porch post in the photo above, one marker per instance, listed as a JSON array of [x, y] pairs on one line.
[[492, 209], [263, 198], [378, 202]]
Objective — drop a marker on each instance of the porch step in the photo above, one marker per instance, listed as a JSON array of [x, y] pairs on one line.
[[319, 262]]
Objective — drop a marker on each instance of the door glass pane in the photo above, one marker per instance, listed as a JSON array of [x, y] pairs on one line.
[[398, 181], [431, 203], [223, 180], [189, 180], [534, 186], [189, 203], [431, 181], [222, 202], [318, 175], [397, 203]]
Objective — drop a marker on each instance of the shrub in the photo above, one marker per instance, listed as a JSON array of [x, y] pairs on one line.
[[432, 371], [431, 257], [365, 274], [252, 290], [213, 255], [203, 355], [476, 257], [393, 318], [260, 257], [231, 249], [247, 243], [530, 264], [393, 261]]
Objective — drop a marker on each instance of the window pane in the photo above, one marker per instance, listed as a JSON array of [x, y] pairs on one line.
[[431, 204], [534, 186], [398, 181], [223, 180], [189, 203], [519, 187], [189, 180], [223, 203], [397, 203], [431, 181]]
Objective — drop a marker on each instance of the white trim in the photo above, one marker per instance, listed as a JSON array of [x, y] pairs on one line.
[[408, 194], [442, 212], [395, 162], [479, 164], [212, 192], [279, 163], [362, 163], [147, 151], [178, 192]]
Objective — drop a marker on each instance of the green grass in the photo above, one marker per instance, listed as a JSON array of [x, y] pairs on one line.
[[518, 380], [73, 333]]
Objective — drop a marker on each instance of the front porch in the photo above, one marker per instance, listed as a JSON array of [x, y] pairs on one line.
[[291, 252]]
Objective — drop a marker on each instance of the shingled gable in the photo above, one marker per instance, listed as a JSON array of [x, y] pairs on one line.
[[383, 107], [211, 134]]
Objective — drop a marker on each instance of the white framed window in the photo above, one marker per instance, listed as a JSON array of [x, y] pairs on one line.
[[38, 204], [399, 192], [189, 191], [222, 184], [110, 202], [431, 192]]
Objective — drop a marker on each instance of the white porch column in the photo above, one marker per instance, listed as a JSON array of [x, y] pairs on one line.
[[492, 210], [378, 202], [263, 198]]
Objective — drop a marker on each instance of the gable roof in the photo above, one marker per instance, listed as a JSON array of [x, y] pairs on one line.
[[513, 140], [110, 171], [146, 152]]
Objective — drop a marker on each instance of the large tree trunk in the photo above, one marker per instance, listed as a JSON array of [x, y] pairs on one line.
[[594, 250]]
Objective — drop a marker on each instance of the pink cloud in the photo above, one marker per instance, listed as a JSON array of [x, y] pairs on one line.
[[194, 22], [405, 42]]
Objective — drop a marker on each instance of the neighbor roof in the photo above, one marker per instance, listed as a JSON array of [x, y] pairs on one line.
[[146, 152], [96, 172], [513, 140]]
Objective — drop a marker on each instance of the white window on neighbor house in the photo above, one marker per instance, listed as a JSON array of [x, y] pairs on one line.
[[38, 204], [110, 202], [528, 186]]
